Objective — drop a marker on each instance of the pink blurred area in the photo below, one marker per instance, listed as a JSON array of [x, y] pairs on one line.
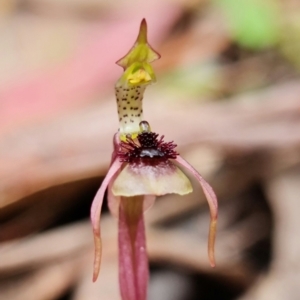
[[34, 89]]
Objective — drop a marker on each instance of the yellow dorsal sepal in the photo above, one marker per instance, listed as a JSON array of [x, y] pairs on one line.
[[141, 51]]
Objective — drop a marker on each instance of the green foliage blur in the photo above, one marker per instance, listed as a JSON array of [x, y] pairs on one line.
[[262, 48], [252, 23], [264, 24]]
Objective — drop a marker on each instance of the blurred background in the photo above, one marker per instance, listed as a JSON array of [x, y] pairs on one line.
[[228, 93]]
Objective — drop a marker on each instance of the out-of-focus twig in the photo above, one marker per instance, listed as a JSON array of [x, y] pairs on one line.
[[282, 280]]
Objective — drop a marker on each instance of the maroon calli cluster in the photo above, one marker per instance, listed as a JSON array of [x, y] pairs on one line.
[[146, 145]]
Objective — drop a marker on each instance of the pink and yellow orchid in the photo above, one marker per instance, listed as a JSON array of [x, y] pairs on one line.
[[143, 166]]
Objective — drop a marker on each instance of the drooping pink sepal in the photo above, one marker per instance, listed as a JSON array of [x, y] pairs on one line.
[[96, 213], [133, 260], [213, 207]]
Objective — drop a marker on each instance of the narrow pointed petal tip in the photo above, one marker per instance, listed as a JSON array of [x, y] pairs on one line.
[[96, 213], [211, 243], [98, 254], [213, 207], [157, 179], [141, 51]]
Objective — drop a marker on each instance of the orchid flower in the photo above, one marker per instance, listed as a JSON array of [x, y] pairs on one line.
[[143, 166]]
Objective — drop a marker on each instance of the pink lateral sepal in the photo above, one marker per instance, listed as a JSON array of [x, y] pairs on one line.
[[112, 200], [213, 207], [96, 212], [133, 260]]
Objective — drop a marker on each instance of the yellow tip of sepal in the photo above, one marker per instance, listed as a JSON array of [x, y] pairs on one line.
[[141, 51]]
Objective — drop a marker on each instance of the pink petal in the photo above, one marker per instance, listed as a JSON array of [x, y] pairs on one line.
[[95, 215], [113, 201], [213, 207], [133, 260]]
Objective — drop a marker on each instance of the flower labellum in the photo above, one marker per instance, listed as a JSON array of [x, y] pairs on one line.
[[143, 166]]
